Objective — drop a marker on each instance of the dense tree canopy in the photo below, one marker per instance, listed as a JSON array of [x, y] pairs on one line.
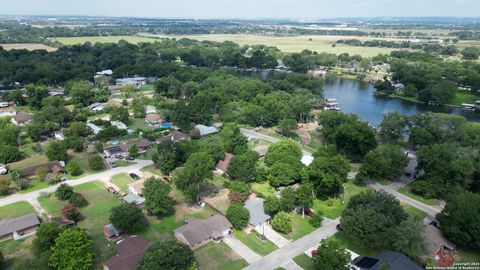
[[169, 254], [128, 218], [72, 250], [157, 201]]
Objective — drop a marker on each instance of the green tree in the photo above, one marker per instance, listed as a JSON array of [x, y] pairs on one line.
[[73, 168], [128, 217], [330, 256], [157, 201], [127, 91], [243, 167], [283, 174], [287, 125], [239, 192], [57, 150], [77, 129], [283, 151], [355, 140], [409, 237], [304, 196], [238, 216], [64, 192], [169, 254], [133, 151], [4, 185], [78, 200], [288, 199], [393, 127], [233, 140], [470, 53], [99, 147], [80, 93], [139, 108], [10, 154], [272, 205], [386, 161], [45, 238], [96, 162], [36, 94], [282, 223], [168, 157], [119, 114], [197, 169], [72, 250]]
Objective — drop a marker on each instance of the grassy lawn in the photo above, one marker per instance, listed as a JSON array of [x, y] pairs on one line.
[[104, 39], [414, 212], [463, 97], [335, 210], [317, 139], [304, 261], [300, 227], [218, 256], [15, 251], [263, 190], [16, 210], [29, 149], [96, 214], [149, 154], [254, 243], [122, 181], [352, 245], [138, 123], [28, 162], [124, 163], [465, 254], [34, 185], [406, 191], [28, 46], [152, 169], [82, 159]]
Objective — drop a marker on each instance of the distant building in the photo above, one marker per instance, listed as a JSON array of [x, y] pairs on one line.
[[59, 135], [96, 129], [306, 159], [52, 167], [222, 164], [382, 68], [135, 81], [398, 86], [106, 72], [199, 232], [97, 107], [134, 198], [129, 253], [150, 109], [21, 119], [18, 227], [110, 232], [206, 130], [176, 136], [119, 125], [153, 119], [114, 151], [3, 168]]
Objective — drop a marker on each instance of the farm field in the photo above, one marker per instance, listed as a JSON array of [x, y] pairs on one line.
[[105, 39], [30, 47]]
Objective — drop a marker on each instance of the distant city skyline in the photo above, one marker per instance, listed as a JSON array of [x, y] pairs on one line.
[[244, 9]]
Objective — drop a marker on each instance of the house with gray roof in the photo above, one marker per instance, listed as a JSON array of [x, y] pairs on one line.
[[134, 198], [206, 130], [18, 227], [257, 212], [394, 261], [198, 232]]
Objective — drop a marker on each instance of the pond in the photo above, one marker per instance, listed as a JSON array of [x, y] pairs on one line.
[[359, 98]]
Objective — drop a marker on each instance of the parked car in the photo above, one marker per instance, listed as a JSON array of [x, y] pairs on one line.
[[113, 164], [130, 158], [134, 176]]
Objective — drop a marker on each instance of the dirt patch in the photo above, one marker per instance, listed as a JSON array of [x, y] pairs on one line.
[[182, 208], [219, 202]]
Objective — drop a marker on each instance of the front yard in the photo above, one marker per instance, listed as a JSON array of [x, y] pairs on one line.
[[218, 256], [122, 181], [16, 210], [304, 261], [252, 241], [407, 192], [300, 227]]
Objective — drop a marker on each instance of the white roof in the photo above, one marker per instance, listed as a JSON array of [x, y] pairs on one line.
[[307, 159], [119, 124], [96, 129], [206, 130], [105, 72]]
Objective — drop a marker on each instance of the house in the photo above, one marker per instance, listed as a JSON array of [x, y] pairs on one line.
[[110, 232], [135, 81], [176, 136], [59, 135], [134, 198], [7, 111], [258, 217], [129, 252], [137, 187], [306, 159], [114, 151], [394, 260], [150, 109], [222, 164], [142, 145], [106, 72], [115, 88], [63, 222], [119, 124], [97, 107], [382, 68], [21, 119], [18, 227], [153, 119], [438, 246], [206, 130], [398, 86], [96, 129], [52, 167], [199, 232]]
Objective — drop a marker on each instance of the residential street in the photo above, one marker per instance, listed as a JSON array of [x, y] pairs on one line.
[[429, 209], [89, 178], [285, 254]]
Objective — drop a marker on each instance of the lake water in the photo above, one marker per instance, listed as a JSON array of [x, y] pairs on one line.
[[359, 98]]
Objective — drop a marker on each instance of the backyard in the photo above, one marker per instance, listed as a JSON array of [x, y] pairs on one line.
[[218, 256], [252, 241]]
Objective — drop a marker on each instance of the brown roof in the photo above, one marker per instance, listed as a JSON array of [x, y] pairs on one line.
[[223, 163], [129, 253], [435, 240], [152, 117], [196, 231], [22, 117], [261, 150], [141, 144], [176, 137], [52, 166]]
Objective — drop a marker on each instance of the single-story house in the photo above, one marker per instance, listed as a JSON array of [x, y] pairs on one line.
[[129, 252], [153, 119], [17, 227], [133, 198], [63, 222], [52, 166], [394, 260], [137, 187], [136, 81], [96, 129], [7, 111], [142, 145], [110, 232], [176, 136], [257, 212], [59, 135], [97, 107], [222, 164], [150, 109], [115, 150], [21, 119], [206, 130], [199, 232], [119, 124], [398, 86], [438, 246], [115, 88]]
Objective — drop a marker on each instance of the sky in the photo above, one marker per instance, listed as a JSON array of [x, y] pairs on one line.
[[204, 9]]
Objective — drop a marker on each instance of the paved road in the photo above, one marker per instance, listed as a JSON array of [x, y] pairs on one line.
[[429, 209], [89, 178], [285, 254], [241, 249]]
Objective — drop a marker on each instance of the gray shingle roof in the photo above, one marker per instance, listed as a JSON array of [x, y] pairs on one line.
[[257, 212], [197, 231], [19, 223]]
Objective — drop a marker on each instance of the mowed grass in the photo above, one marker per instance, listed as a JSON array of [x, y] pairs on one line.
[[252, 241], [352, 245], [304, 262], [263, 189], [34, 185], [300, 227], [16, 210], [27, 46], [463, 97], [122, 181], [218, 256], [414, 212], [107, 39], [28, 162], [96, 214], [336, 208], [407, 192], [138, 123]]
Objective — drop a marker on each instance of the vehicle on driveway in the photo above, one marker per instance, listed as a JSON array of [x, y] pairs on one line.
[[134, 176]]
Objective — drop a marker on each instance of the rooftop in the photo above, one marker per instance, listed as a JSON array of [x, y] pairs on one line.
[[256, 210], [197, 231], [129, 253], [206, 130], [15, 224]]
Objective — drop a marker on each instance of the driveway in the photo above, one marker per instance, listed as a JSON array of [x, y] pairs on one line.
[[89, 178], [241, 249], [272, 235], [285, 254], [429, 209]]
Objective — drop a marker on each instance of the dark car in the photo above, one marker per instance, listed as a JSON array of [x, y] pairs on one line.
[[134, 176]]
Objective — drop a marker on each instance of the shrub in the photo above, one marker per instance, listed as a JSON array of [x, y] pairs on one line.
[[23, 183], [73, 168], [64, 192], [239, 192], [238, 216], [316, 220], [78, 200], [72, 213], [96, 163], [282, 223]]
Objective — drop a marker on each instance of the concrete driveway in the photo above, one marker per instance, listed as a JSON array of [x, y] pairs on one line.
[[272, 235], [241, 249]]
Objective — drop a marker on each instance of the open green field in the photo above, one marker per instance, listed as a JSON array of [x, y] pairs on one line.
[[218, 256], [27, 46], [16, 210], [263, 189], [122, 181], [108, 39], [463, 97], [252, 241], [28, 162], [336, 208]]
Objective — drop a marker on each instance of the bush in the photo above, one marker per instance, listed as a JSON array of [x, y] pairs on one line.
[[238, 216], [282, 223], [72, 213], [78, 200], [96, 163], [64, 192], [73, 168], [424, 189], [239, 192], [316, 220], [23, 183]]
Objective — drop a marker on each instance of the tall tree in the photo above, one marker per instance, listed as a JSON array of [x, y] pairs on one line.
[[128, 217], [72, 250], [409, 238], [393, 127], [157, 201], [386, 161], [169, 254], [330, 256], [197, 169], [45, 238]]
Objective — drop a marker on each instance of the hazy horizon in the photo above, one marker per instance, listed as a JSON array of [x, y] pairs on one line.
[[244, 9]]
